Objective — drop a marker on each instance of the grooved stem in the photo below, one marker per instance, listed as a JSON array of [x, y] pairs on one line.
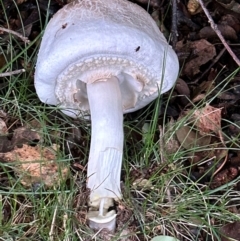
[[105, 158]]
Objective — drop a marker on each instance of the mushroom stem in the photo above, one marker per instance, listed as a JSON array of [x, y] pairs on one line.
[[105, 158]]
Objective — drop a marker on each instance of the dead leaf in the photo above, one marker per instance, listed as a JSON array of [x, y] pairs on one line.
[[231, 21], [3, 114], [223, 177], [196, 134], [142, 183], [202, 90], [25, 135], [232, 5], [203, 51], [183, 90], [227, 31], [189, 138], [208, 119], [5, 144], [182, 87], [194, 7], [36, 165], [234, 126], [20, 1], [230, 232]]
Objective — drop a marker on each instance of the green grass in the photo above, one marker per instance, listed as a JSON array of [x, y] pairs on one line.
[[171, 204]]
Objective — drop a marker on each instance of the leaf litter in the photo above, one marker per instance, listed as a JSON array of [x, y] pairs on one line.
[[36, 165], [33, 163]]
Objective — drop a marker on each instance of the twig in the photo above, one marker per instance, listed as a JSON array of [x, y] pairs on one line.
[[24, 39], [19, 71], [53, 224], [226, 157], [216, 30], [174, 29]]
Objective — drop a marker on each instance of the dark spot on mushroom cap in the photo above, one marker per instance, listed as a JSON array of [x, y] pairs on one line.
[[137, 49], [64, 25]]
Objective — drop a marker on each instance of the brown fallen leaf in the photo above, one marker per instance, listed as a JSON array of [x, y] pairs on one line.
[[25, 135], [227, 31], [201, 91], [5, 144], [183, 91], [234, 126], [232, 5], [226, 95], [36, 165], [208, 119], [230, 232], [194, 7], [203, 51], [223, 177], [231, 21], [20, 1], [142, 183], [189, 138], [196, 135]]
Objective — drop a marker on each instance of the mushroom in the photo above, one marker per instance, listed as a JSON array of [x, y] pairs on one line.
[[104, 58]]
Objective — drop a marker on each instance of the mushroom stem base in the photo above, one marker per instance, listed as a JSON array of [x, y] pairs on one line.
[[102, 219]]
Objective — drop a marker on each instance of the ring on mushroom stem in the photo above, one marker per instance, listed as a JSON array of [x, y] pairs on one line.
[[109, 59]]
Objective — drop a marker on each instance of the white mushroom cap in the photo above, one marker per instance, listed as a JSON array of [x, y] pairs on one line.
[[90, 40]]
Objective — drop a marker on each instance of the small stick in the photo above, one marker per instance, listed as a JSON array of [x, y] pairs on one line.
[[53, 224], [174, 29], [24, 39], [216, 30], [226, 157], [19, 71]]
